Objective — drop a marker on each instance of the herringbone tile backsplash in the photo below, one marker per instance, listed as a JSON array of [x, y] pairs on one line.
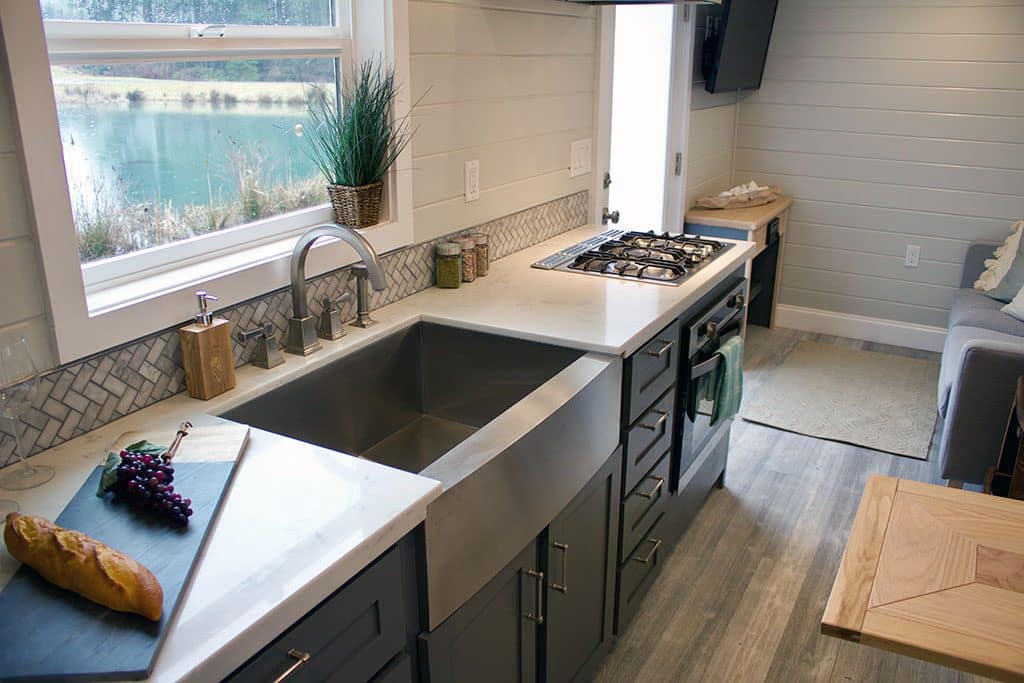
[[76, 398]]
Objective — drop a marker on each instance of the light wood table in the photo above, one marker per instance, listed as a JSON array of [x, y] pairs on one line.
[[751, 224], [934, 573]]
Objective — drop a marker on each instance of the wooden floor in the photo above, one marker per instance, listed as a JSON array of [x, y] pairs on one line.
[[741, 596]]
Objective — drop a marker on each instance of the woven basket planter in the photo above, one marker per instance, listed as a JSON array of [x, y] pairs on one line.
[[356, 207]]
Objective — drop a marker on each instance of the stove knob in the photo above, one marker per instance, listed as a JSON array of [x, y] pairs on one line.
[[738, 301]]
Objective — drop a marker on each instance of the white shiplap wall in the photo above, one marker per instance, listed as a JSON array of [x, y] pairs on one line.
[[510, 83], [507, 82], [709, 153], [891, 125], [23, 310]]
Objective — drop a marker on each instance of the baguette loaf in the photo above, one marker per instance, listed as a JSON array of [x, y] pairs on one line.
[[76, 562]]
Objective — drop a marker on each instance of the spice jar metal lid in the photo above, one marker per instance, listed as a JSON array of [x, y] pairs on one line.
[[480, 238], [467, 243], [449, 249]]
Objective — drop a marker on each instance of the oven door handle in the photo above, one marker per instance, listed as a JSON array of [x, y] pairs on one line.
[[732, 328], [705, 368], [716, 330]]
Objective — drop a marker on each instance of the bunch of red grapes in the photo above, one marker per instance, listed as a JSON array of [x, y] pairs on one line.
[[146, 483]]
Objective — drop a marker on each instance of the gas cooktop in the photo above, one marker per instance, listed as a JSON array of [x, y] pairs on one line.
[[660, 258]]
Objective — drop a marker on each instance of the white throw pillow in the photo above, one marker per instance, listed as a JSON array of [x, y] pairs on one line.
[[997, 267], [1015, 307]]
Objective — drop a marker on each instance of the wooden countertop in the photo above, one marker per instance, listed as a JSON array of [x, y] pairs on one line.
[[742, 219], [934, 573]]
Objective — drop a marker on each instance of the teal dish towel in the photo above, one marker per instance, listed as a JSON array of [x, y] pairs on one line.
[[725, 385]]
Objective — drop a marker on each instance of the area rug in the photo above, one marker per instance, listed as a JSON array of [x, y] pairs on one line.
[[877, 400]]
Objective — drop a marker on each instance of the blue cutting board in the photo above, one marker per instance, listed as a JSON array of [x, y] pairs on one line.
[[47, 633]]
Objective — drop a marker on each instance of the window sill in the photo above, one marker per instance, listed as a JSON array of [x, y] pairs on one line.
[[143, 305]]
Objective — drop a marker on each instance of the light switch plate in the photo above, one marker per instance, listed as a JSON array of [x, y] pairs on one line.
[[473, 180], [579, 157], [913, 256]]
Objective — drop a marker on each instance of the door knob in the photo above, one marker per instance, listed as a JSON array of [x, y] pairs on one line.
[[607, 216]]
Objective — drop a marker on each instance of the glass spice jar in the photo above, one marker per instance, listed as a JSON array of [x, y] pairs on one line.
[[468, 258], [483, 254], [448, 263]]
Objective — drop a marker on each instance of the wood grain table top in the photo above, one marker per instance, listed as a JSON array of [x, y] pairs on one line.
[[935, 573], [749, 219]]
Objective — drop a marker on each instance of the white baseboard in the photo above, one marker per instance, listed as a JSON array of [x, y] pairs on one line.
[[859, 327]]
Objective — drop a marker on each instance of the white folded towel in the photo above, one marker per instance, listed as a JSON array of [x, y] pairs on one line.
[[749, 188]]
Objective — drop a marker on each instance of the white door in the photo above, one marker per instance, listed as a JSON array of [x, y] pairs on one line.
[[643, 102]]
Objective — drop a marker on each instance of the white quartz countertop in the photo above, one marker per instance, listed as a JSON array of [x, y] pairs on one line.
[[299, 521], [602, 314]]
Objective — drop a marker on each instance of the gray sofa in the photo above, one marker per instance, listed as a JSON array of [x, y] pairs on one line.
[[981, 361]]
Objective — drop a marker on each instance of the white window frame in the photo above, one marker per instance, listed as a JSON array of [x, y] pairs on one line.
[[97, 306]]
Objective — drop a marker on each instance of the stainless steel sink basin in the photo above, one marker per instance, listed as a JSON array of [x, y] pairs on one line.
[[409, 398], [512, 429]]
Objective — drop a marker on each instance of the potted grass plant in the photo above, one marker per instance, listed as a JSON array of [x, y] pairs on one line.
[[354, 146]]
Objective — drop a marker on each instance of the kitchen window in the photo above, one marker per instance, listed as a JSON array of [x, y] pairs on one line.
[[171, 154], [181, 123]]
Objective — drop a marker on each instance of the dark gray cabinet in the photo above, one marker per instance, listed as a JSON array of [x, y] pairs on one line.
[[649, 372], [580, 577], [493, 637], [549, 613], [358, 634], [647, 439]]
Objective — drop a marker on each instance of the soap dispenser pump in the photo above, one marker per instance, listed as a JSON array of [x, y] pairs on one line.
[[207, 352]]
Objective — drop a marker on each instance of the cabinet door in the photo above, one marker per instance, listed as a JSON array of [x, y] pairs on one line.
[[580, 576], [493, 637]]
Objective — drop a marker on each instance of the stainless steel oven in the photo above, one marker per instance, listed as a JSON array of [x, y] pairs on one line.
[[703, 336]]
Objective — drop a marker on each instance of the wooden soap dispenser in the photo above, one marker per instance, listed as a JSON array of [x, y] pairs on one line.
[[206, 353]]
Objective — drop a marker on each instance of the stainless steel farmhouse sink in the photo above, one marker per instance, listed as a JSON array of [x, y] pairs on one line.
[[512, 429]]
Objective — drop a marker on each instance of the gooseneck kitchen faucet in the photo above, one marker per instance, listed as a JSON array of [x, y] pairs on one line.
[[302, 338]]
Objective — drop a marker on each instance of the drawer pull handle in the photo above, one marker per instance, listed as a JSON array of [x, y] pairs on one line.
[[666, 347], [657, 488], [564, 586], [657, 425], [656, 546], [538, 613], [300, 659]]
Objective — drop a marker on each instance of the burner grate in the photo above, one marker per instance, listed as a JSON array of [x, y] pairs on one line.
[[659, 258]]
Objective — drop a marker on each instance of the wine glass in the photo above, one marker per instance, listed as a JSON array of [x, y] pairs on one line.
[[19, 386]]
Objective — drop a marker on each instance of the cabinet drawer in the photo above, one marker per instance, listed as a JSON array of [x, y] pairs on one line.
[[644, 505], [636, 573], [650, 371], [649, 437], [350, 636]]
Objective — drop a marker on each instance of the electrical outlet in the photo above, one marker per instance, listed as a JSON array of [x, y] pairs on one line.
[[473, 180], [913, 256], [579, 157]]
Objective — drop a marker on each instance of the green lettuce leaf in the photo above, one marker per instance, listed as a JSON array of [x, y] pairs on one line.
[[146, 448], [108, 477]]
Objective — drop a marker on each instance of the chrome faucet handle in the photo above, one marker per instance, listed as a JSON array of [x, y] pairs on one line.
[[330, 325], [268, 350], [361, 274]]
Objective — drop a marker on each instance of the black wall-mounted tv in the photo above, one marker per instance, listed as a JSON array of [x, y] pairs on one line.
[[734, 57]]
